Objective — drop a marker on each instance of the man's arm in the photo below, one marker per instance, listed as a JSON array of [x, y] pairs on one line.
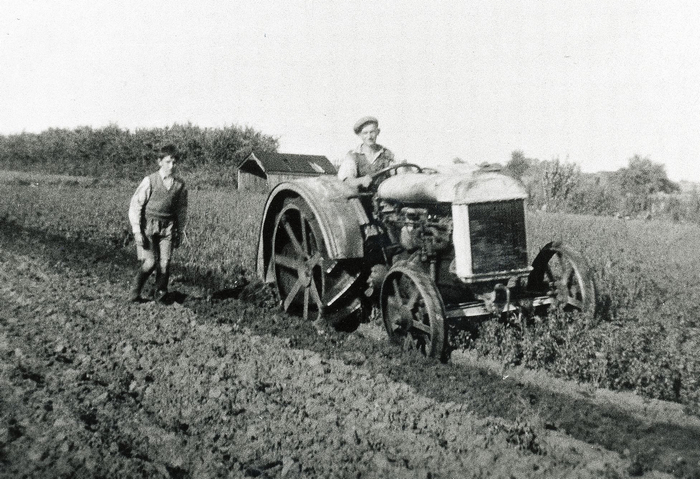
[[347, 168], [363, 181], [347, 172]]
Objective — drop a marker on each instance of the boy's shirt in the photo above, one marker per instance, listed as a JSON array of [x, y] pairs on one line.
[[143, 194]]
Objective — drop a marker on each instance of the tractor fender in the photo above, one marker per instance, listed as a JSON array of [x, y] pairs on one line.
[[335, 206]]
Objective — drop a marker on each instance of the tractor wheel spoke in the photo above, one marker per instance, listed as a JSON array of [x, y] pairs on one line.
[[304, 238], [550, 275], [293, 238], [397, 292], [421, 327], [315, 296], [292, 294], [314, 260], [413, 300], [574, 302], [569, 275], [288, 261]]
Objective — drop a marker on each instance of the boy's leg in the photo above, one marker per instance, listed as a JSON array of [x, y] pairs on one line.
[[137, 285], [148, 262], [165, 249]]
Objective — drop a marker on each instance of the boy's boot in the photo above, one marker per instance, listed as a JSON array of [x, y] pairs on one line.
[[161, 285], [137, 286]]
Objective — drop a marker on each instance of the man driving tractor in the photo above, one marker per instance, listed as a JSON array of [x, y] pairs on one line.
[[369, 157]]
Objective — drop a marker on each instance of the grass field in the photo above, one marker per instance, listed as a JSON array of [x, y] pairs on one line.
[[646, 337], [221, 235]]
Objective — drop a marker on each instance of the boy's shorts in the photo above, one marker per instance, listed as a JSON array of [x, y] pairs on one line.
[[155, 230]]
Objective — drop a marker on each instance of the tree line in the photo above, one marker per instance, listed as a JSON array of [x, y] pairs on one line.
[[208, 155], [641, 189]]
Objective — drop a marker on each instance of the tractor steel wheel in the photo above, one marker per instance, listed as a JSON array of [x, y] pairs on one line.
[[563, 274], [413, 313], [308, 283]]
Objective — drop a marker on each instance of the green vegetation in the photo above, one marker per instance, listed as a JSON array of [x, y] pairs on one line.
[[645, 337], [641, 189], [223, 226], [646, 334], [209, 155]]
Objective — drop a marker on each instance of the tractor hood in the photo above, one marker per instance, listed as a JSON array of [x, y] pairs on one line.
[[458, 187]]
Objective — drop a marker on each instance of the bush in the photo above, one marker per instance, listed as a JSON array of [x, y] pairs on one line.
[[209, 154]]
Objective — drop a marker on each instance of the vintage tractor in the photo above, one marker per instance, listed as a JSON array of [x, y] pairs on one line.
[[421, 246]]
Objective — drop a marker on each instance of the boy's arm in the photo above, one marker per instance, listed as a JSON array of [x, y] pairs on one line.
[[137, 204], [181, 213]]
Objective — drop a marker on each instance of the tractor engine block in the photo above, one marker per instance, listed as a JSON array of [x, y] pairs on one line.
[[424, 228]]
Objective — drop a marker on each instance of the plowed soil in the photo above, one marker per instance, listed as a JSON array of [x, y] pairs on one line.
[[220, 384]]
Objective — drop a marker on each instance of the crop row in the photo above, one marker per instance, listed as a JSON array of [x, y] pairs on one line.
[[645, 336]]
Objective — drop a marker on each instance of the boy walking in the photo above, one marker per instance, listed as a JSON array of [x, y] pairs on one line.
[[158, 215]]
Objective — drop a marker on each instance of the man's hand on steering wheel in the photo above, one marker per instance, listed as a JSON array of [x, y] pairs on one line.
[[365, 181], [380, 175]]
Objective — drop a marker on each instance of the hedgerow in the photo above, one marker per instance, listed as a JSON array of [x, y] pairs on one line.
[[208, 155]]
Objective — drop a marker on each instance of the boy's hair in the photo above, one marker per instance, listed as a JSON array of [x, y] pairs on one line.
[[168, 150]]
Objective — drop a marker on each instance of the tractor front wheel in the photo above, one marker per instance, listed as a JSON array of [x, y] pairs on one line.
[[563, 274], [413, 313]]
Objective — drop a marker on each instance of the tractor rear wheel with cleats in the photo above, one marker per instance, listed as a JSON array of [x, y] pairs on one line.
[[308, 283]]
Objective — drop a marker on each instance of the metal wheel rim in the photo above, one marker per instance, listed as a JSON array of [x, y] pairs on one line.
[[413, 315], [297, 263]]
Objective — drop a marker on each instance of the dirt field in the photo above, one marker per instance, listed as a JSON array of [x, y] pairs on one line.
[[224, 386]]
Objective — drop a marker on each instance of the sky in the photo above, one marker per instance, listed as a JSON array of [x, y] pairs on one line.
[[591, 82]]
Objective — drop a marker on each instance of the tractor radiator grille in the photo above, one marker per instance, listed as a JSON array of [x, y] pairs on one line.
[[497, 234]]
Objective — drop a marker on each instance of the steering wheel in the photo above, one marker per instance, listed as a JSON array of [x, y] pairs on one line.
[[380, 175]]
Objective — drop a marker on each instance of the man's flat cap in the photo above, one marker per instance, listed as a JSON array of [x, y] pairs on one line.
[[362, 122]]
